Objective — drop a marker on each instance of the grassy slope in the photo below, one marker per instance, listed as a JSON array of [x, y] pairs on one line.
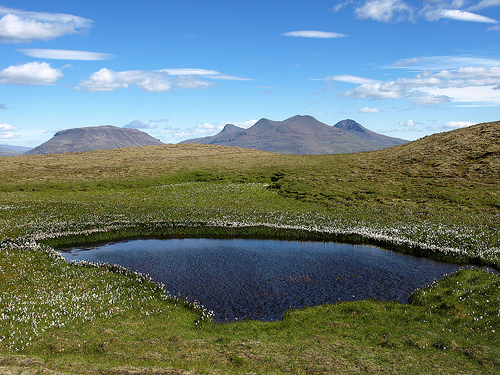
[[441, 190]]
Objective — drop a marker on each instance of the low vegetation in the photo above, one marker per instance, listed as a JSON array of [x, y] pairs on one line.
[[438, 197]]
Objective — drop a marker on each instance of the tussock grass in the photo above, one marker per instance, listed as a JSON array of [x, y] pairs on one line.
[[437, 197]]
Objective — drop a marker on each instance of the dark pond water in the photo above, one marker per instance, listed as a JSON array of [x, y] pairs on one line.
[[260, 279]]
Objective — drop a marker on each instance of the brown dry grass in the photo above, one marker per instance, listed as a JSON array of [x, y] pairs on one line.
[[136, 162], [472, 153]]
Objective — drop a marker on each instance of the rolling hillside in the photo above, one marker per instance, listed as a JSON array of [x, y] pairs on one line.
[[472, 153]]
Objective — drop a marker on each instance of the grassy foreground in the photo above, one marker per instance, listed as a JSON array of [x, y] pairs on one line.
[[438, 197]]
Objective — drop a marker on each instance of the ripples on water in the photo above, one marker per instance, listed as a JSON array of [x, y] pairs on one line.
[[260, 279]]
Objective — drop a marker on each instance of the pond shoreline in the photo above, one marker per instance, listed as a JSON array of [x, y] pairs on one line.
[[241, 279], [262, 231]]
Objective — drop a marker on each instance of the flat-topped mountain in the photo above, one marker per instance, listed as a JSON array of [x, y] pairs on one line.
[[302, 135], [94, 138]]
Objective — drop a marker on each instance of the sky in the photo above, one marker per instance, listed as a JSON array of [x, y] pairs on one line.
[[183, 69]]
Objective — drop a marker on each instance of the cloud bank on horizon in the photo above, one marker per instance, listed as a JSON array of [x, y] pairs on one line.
[[413, 58]]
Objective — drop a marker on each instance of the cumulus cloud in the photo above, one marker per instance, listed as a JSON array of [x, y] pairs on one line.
[[202, 129], [206, 128], [64, 54], [7, 131], [368, 110], [106, 80], [406, 125], [163, 80], [472, 84], [459, 124], [314, 34], [18, 26], [138, 124], [34, 73]]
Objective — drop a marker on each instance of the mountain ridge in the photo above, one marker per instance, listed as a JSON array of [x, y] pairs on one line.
[[301, 135]]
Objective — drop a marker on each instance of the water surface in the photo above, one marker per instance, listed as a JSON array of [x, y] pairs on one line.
[[260, 279]]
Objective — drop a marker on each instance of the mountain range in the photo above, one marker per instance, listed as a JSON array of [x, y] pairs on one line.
[[302, 135], [298, 135], [94, 138], [8, 150]]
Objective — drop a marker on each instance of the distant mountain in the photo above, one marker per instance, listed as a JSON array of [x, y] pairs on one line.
[[9, 150], [94, 138], [302, 135]]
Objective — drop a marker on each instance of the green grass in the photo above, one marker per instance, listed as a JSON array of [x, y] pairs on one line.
[[62, 316], [83, 319]]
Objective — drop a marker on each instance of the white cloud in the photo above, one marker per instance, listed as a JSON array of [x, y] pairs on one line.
[[339, 6], [459, 124], [368, 110], [192, 82], [425, 63], [467, 84], [203, 129], [7, 131], [189, 71], [461, 15], [34, 73], [138, 124], [384, 10], [406, 125], [493, 28], [212, 74], [485, 4], [245, 124], [398, 10], [23, 26], [314, 34], [106, 80], [64, 54], [349, 79], [206, 129], [163, 80], [407, 62]]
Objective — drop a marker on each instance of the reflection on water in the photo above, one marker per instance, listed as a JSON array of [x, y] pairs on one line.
[[260, 279]]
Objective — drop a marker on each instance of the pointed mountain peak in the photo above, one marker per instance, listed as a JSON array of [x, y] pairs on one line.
[[228, 128], [350, 125], [301, 134]]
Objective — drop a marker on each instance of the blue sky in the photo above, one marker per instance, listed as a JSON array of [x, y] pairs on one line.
[[184, 69]]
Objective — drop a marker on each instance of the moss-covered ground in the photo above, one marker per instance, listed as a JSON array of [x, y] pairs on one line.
[[62, 318]]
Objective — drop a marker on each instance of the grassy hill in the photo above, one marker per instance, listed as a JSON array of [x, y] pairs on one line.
[[437, 197]]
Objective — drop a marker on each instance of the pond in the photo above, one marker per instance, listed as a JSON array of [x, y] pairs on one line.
[[261, 279]]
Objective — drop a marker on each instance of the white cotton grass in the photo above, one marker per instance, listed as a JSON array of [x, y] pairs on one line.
[[28, 218]]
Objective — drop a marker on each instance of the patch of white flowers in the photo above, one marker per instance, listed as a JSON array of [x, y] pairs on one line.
[[38, 216], [68, 297], [26, 218]]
